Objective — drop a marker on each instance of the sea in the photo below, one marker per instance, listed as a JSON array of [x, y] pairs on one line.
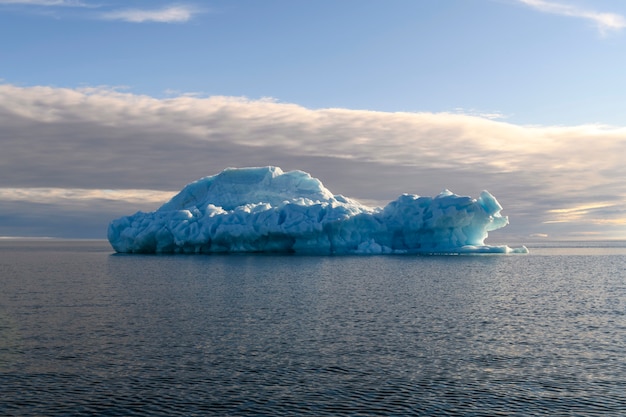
[[88, 332]]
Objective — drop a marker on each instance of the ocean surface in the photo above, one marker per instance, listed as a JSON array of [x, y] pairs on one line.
[[84, 331]]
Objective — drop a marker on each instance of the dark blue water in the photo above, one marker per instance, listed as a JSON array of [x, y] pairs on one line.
[[86, 332]]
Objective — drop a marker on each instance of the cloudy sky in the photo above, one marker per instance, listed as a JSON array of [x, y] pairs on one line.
[[107, 108]]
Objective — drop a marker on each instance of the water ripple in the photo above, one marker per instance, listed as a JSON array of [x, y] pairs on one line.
[[85, 333]]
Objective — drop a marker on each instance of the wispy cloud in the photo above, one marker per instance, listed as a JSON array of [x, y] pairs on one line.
[[67, 3], [170, 14], [178, 13], [492, 115], [58, 143], [49, 195], [605, 22]]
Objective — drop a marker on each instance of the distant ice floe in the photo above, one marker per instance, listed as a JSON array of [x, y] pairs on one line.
[[268, 210]]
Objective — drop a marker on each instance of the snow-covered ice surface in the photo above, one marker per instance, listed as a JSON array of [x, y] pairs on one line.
[[268, 210]]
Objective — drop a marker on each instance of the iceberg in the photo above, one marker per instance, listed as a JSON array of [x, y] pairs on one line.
[[264, 209]]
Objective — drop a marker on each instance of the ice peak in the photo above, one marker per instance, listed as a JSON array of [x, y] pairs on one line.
[[234, 187]]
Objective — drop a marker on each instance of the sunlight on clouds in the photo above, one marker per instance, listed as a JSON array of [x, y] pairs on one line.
[[413, 139], [581, 209], [172, 14], [599, 213], [604, 21]]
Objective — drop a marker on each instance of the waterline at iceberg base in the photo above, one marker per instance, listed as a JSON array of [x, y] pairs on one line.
[[268, 210]]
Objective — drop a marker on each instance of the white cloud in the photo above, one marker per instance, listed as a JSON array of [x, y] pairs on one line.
[[171, 14], [605, 22], [548, 178]]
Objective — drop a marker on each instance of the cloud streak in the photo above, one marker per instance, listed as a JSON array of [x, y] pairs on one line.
[[605, 22], [49, 195], [170, 14], [57, 144]]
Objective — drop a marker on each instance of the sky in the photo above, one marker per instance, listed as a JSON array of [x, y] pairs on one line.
[[108, 108]]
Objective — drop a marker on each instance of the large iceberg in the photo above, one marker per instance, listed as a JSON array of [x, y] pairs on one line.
[[268, 210]]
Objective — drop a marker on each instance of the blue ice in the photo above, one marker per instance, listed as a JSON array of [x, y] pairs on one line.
[[268, 210]]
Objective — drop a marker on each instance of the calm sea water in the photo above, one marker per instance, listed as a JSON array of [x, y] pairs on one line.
[[84, 331]]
